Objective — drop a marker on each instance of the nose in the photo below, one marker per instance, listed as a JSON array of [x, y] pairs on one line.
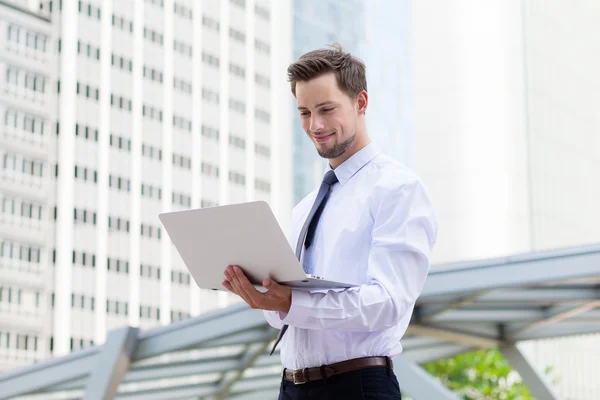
[[316, 124]]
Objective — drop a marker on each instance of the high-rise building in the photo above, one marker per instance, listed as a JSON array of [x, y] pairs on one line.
[[386, 51], [26, 128], [378, 32], [317, 24], [123, 110]]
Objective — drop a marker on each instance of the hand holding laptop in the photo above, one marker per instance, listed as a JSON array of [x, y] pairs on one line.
[[276, 298]]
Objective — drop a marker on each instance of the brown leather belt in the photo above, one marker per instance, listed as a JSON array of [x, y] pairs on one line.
[[300, 376]]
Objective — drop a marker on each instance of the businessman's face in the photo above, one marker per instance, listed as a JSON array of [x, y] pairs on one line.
[[329, 116]]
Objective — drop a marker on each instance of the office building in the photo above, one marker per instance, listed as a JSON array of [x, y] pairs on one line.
[[317, 24], [26, 128], [123, 110]]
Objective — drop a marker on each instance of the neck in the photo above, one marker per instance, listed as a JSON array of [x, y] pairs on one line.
[[361, 141]]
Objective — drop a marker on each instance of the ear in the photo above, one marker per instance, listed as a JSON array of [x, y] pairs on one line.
[[362, 101]]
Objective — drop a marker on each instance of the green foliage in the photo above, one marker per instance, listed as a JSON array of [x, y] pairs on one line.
[[481, 375]]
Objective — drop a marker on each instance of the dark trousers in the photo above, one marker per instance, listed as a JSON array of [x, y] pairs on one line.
[[362, 384]]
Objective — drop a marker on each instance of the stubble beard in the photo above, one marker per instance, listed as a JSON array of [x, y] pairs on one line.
[[337, 149]]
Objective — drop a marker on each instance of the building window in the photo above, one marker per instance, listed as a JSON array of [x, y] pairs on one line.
[[210, 96], [262, 185], [238, 106], [262, 46], [261, 11], [237, 35], [211, 23], [262, 80], [238, 142], [262, 115], [237, 70], [210, 59]]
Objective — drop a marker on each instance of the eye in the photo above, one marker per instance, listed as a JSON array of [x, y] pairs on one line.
[[304, 113], [327, 109]]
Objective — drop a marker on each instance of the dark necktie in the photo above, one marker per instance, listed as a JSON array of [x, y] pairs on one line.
[[307, 233]]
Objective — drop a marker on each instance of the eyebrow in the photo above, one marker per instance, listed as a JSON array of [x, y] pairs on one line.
[[319, 105]]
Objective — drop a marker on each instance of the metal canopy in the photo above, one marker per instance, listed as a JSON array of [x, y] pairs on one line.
[[223, 354]]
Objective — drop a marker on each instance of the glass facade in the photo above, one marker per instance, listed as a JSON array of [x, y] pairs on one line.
[[378, 32], [317, 24], [386, 51]]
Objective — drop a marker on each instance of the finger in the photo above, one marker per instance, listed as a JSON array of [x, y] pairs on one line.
[[233, 285], [227, 276], [243, 296], [230, 276], [234, 281], [244, 285], [270, 285], [274, 287], [228, 286], [238, 280], [242, 280]]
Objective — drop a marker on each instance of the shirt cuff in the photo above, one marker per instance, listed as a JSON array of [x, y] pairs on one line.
[[297, 314]]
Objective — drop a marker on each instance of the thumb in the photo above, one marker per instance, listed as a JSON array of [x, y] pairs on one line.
[[271, 285]]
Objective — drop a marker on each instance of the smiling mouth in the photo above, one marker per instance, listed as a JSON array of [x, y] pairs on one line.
[[322, 139]]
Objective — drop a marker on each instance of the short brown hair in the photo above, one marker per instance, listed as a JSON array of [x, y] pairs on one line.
[[349, 70]]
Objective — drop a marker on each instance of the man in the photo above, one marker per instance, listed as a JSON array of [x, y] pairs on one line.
[[371, 222]]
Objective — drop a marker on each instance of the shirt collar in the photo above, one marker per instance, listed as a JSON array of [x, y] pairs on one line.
[[351, 166]]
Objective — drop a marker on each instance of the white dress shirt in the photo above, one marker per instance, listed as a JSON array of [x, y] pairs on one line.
[[377, 230]]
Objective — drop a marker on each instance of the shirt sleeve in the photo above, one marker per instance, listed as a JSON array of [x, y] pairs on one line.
[[404, 233], [273, 319]]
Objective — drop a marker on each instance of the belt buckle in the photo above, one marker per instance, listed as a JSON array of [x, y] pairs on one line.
[[299, 373]]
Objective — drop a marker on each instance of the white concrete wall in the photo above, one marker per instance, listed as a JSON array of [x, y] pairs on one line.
[[563, 89], [507, 137], [563, 122], [470, 137]]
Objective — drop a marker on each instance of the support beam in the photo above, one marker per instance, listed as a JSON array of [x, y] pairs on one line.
[[202, 390], [250, 357], [194, 332], [444, 350], [514, 271], [417, 382], [560, 330], [537, 384], [537, 295], [168, 370], [506, 315], [485, 329], [555, 315], [460, 337], [244, 337], [111, 364], [429, 313], [48, 373]]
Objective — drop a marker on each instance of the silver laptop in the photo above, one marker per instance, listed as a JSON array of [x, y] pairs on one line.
[[246, 234]]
